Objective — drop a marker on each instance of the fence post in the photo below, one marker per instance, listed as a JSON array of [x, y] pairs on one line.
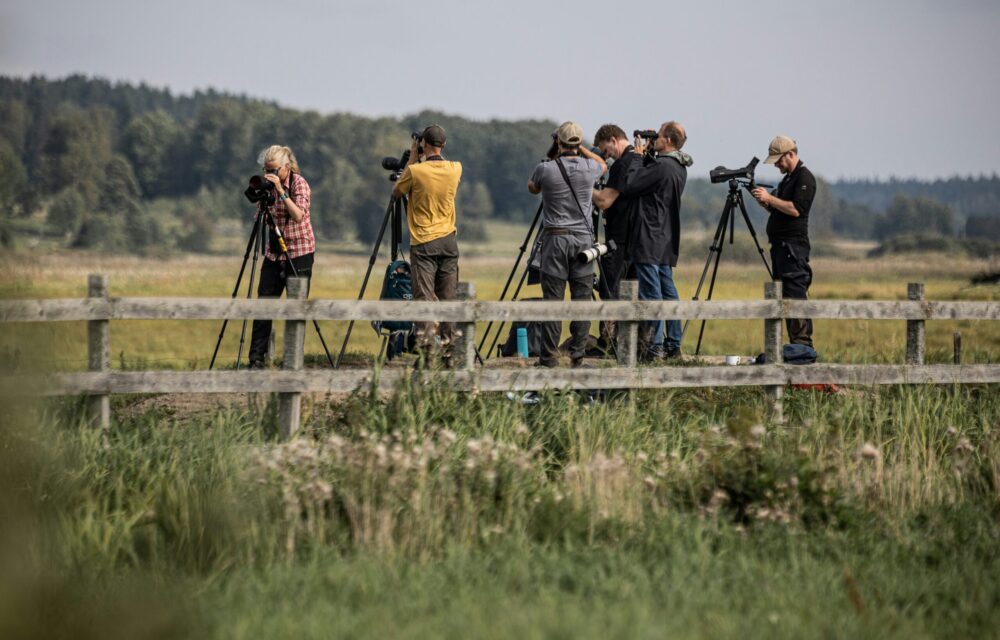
[[628, 332], [773, 350], [98, 353], [290, 403], [464, 349], [958, 347], [915, 330]]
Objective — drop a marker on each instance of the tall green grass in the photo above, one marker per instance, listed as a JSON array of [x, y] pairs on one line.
[[431, 512]]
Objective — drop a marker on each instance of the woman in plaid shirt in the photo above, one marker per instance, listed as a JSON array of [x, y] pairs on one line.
[[290, 213]]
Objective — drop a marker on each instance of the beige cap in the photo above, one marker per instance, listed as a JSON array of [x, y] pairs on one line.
[[779, 147], [570, 133]]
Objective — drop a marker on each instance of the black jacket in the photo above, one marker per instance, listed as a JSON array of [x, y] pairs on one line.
[[655, 236]]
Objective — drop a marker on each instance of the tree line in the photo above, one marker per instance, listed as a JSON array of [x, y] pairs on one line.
[[125, 167]]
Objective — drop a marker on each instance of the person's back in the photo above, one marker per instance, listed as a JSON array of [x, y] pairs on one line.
[[431, 206], [560, 210]]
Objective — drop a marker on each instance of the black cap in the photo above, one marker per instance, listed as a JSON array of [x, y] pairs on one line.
[[434, 135]]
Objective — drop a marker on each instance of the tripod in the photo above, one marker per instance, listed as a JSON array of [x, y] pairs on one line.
[[255, 245], [728, 219], [394, 213], [524, 274]]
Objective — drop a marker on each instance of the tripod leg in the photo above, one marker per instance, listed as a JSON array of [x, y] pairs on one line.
[[258, 249], [753, 234], [364, 283], [517, 291], [711, 289], [717, 241], [524, 246], [236, 288]]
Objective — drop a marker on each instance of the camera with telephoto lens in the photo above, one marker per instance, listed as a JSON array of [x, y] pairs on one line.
[[647, 134], [593, 253], [260, 190], [396, 165]]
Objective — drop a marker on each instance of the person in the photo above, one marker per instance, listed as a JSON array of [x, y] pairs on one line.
[[655, 232], [290, 214], [613, 143], [430, 183], [566, 184], [788, 229]]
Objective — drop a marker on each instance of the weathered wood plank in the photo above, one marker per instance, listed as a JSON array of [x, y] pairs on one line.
[[290, 402], [276, 309], [494, 379], [773, 351], [627, 348], [98, 353], [916, 334]]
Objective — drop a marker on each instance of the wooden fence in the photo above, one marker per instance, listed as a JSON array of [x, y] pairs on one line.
[[99, 308]]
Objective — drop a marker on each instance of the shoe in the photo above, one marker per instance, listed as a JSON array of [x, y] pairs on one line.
[[669, 354], [652, 354], [578, 363], [257, 365], [548, 364]]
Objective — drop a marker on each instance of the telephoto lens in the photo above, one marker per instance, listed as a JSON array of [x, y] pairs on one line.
[[595, 252]]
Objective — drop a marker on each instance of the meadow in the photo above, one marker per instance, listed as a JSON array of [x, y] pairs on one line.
[[426, 512]]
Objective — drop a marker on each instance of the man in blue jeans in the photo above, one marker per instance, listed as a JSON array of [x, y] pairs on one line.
[[655, 233]]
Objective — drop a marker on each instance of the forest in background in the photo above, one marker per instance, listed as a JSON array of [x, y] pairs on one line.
[[131, 168]]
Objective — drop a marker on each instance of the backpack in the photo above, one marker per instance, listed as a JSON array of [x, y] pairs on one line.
[[397, 285], [793, 354]]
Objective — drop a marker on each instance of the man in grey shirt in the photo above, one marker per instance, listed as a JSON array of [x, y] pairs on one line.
[[566, 183]]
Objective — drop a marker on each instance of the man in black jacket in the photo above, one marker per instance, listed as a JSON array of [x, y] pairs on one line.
[[655, 232], [613, 143], [788, 229]]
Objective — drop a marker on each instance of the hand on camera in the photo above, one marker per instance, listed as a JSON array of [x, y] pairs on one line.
[[276, 181], [640, 145]]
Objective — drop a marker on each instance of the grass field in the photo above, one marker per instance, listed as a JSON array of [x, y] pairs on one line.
[[430, 513]]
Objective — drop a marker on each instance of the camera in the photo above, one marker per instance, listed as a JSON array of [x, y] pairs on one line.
[[260, 190], [589, 255], [396, 165], [648, 134], [419, 137]]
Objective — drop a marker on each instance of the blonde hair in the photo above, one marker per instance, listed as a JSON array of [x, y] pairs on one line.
[[278, 153]]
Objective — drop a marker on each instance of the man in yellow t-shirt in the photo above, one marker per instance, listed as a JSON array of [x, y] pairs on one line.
[[430, 183]]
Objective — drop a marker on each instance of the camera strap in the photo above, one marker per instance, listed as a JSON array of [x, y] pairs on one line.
[[562, 170]]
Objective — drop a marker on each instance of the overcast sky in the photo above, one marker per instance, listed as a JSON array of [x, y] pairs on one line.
[[868, 88]]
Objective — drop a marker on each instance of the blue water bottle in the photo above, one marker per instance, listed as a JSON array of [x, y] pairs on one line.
[[522, 342]]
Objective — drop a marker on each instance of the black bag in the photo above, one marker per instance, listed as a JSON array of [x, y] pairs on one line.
[[509, 347]]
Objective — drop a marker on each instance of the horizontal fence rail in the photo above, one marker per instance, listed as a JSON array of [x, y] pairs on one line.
[[325, 380], [100, 381], [68, 310]]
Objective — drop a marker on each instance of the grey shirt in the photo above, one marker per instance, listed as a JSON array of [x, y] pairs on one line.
[[559, 210]]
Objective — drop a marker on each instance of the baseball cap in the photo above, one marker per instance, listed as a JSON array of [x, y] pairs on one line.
[[570, 133], [434, 135], [779, 147]]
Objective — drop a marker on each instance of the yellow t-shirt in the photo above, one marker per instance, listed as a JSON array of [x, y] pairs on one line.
[[431, 187]]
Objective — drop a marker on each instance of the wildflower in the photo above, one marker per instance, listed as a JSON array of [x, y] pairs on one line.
[[869, 451]]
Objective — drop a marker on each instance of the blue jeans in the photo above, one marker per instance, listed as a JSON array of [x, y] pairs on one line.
[[656, 282]]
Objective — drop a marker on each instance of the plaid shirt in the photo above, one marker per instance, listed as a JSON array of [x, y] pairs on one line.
[[298, 235]]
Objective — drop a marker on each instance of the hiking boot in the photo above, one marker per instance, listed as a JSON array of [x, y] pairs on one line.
[[257, 365]]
